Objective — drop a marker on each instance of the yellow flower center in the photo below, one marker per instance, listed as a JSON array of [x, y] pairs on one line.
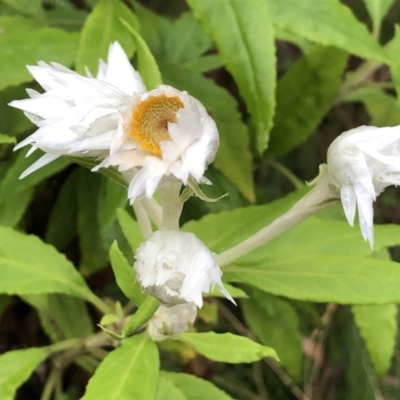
[[150, 118]]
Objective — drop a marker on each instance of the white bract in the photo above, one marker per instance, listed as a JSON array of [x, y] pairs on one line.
[[176, 267], [148, 136], [170, 320], [361, 164]]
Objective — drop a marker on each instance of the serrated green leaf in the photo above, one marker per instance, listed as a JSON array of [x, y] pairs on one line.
[[145, 311], [17, 49], [378, 327], [147, 65], [102, 27], [125, 275], [29, 266], [129, 372], [248, 54], [276, 324], [195, 388], [233, 158], [5, 139], [383, 108], [332, 24], [304, 95], [130, 229], [226, 347], [15, 368], [167, 390]]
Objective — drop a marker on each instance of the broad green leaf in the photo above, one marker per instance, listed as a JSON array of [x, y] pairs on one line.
[[13, 208], [332, 24], [4, 302], [130, 228], [17, 49], [377, 10], [194, 388], [337, 278], [167, 390], [62, 317], [5, 139], [304, 95], [26, 7], [276, 324], [125, 275], [378, 327], [394, 51], [383, 108], [68, 18], [14, 23], [233, 157], [29, 266], [128, 372], [11, 185], [145, 311], [226, 347], [103, 27], [147, 65], [204, 64], [62, 224], [94, 255], [15, 368], [248, 53]]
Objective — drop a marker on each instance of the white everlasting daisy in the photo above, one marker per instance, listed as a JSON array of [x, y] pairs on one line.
[[176, 267], [170, 320], [361, 164], [77, 115]]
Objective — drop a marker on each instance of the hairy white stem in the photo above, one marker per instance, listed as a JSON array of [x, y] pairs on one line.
[[154, 211], [142, 219], [171, 205]]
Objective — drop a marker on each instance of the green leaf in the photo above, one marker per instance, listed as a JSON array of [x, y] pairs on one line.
[[130, 229], [337, 278], [304, 95], [167, 390], [248, 54], [129, 372], [332, 24], [102, 27], [383, 108], [226, 347], [125, 275], [235, 292], [16, 367], [29, 266], [17, 49], [276, 324], [5, 139], [13, 208], [147, 65], [145, 311], [233, 158], [204, 64], [15, 23], [378, 327], [377, 10], [27, 7], [394, 51], [194, 388]]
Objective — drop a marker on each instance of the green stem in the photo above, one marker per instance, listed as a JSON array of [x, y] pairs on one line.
[[296, 182], [99, 303]]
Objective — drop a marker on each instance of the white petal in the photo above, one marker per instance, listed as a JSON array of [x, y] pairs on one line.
[[44, 160], [348, 198]]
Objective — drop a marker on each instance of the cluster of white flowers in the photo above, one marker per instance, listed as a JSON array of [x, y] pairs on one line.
[[154, 138]]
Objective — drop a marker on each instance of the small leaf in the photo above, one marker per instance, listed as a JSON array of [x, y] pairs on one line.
[[5, 139], [103, 27], [147, 65], [125, 275], [130, 228], [15, 368], [235, 292], [304, 95], [377, 10], [128, 372], [226, 347], [200, 194], [145, 311], [378, 327], [248, 54], [195, 388]]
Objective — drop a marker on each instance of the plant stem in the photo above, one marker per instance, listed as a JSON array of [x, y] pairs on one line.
[[143, 220], [321, 196], [153, 210], [171, 204], [296, 182]]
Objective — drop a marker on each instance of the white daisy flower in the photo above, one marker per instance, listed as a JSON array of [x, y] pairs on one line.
[[78, 115], [361, 164], [176, 267], [170, 320]]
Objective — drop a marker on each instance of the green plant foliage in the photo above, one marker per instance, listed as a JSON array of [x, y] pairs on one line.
[[167, 390], [226, 347], [316, 77], [27, 7], [130, 228], [377, 10], [131, 371], [253, 64], [377, 324], [16, 366], [102, 27], [194, 388], [6, 139]]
